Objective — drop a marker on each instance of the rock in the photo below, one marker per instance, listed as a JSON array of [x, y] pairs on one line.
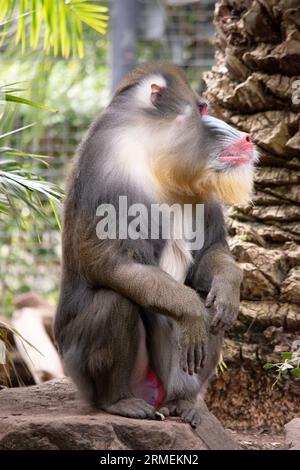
[[292, 434], [50, 416]]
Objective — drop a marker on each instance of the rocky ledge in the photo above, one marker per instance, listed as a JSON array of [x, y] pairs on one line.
[[51, 416]]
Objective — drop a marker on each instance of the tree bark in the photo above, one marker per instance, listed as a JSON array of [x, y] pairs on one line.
[[253, 87]]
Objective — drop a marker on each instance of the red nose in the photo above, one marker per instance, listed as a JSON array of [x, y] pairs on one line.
[[240, 151], [245, 143]]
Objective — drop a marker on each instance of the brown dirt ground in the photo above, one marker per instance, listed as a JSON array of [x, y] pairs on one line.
[[259, 440]]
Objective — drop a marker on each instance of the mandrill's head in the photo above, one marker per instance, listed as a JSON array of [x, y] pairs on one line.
[[230, 158], [190, 155]]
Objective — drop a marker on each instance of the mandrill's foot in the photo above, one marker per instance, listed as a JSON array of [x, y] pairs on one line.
[[131, 408], [187, 410]]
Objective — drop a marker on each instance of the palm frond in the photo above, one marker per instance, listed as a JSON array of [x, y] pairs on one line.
[[14, 131], [59, 21], [7, 94], [19, 185], [19, 99]]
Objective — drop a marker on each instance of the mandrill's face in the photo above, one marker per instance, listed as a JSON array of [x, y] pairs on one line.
[[230, 157], [206, 157], [190, 155]]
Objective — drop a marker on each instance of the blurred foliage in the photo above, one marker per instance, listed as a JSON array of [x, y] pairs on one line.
[[58, 22], [5, 369], [69, 86], [287, 366], [29, 233], [27, 202], [19, 186]]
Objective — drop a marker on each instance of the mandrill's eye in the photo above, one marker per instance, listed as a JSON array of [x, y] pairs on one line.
[[202, 105]]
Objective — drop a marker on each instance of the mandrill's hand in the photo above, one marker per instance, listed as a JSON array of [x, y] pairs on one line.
[[225, 297], [192, 342]]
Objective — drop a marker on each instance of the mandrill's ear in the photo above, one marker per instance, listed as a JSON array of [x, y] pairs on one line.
[[156, 93], [150, 90]]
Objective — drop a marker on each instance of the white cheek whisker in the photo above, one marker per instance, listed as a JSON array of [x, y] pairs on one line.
[[227, 141]]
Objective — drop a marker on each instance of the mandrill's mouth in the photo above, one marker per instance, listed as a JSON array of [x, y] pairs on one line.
[[239, 153]]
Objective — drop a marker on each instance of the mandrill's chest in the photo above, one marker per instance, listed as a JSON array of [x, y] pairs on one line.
[[176, 259]]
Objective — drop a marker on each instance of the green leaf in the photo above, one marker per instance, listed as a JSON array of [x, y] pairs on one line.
[[58, 19], [88, 5], [64, 37], [16, 130], [21, 31], [54, 28], [4, 7], [286, 356], [36, 21], [10, 88], [16, 184], [55, 213], [20, 153], [19, 99], [296, 373], [269, 365]]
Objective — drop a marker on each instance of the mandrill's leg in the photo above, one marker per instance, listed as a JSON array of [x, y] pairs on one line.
[[106, 344], [183, 389]]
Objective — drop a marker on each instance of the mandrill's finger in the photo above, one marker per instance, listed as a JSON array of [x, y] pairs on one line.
[[215, 323], [224, 318], [183, 359], [164, 410], [217, 319], [203, 355], [216, 326], [190, 360], [192, 416], [210, 299], [230, 315], [198, 358]]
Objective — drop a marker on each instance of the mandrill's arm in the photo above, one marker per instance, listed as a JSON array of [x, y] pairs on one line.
[[216, 273], [108, 263]]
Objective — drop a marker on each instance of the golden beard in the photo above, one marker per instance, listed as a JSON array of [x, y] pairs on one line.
[[234, 186], [179, 184]]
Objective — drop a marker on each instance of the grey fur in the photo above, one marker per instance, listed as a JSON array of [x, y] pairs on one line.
[[102, 300]]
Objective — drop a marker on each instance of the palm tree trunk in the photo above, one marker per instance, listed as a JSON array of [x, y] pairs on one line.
[[252, 86]]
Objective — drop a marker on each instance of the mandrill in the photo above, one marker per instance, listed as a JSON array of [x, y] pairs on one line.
[[140, 319]]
